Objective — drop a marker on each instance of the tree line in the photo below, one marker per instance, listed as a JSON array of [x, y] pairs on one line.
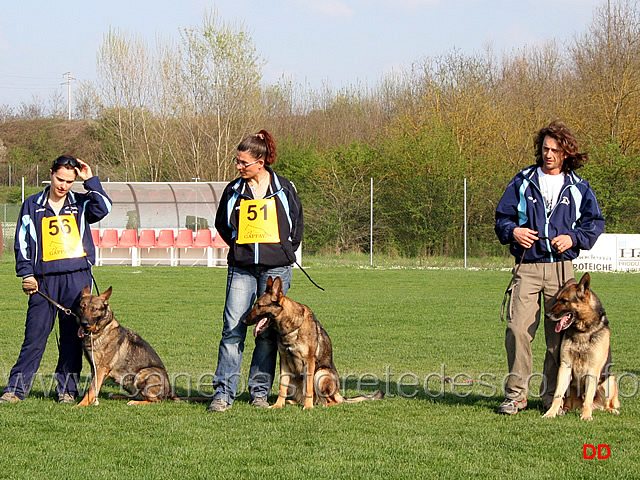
[[176, 111]]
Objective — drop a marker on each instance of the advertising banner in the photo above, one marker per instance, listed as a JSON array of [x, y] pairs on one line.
[[611, 253]]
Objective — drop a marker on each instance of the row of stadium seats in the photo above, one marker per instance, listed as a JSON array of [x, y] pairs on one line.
[[165, 247]]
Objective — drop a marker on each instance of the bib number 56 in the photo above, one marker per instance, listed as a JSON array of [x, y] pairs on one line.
[[55, 227]]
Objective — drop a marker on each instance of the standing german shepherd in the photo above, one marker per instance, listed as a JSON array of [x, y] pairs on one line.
[[307, 372], [584, 352], [119, 353]]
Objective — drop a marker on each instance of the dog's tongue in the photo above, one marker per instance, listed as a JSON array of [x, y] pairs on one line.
[[562, 323], [80, 332], [260, 326]]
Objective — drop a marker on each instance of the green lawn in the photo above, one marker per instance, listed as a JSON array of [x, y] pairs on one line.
[[397, 329]]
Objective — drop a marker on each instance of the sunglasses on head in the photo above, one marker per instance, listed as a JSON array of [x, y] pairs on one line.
[[64, 160]]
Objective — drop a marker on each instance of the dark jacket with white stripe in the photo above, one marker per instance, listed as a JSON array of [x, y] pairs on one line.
[[290, 224], [576, 214], [89, 207]]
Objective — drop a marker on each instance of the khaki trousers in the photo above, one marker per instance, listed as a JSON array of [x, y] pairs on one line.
[[533, 283]]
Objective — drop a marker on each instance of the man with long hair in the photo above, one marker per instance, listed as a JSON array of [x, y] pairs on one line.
[[546, 215]]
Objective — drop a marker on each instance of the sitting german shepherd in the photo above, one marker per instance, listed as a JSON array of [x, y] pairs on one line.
[[118, 353], [584, 352], [307, 372]]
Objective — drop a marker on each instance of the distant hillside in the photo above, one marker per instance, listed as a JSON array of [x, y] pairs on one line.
[[27, 142]]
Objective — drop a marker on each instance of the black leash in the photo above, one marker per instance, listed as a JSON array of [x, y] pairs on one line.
[[310, 279], [66, 311], [507, 292]]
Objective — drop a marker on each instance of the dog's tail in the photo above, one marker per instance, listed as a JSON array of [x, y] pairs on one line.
[[378, 395]]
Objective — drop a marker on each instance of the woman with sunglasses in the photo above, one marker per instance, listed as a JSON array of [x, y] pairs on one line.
[[260, 218], [54, 254]]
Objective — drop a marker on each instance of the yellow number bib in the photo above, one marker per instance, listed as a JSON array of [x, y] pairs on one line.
[[61, 238], [258, 222]]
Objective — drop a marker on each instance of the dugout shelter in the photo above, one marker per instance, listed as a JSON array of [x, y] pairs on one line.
[[160, 223]]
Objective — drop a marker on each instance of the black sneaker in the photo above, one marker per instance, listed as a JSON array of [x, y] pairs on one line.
[[66, 398], [511, 406], [218, 405]]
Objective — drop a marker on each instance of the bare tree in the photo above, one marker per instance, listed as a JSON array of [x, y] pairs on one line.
[[6, 113], [57, 105], [606, 62], [126, 75], [88, 104], [33, 110], [219, 102]]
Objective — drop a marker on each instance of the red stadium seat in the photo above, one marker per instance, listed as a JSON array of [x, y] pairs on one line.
[[184, 239], [147, 239], [128, 238], [95, 235], [109, 238], [218, 242], [166, 239], [203, 238]]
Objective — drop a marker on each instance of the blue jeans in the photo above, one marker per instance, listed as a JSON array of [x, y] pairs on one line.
[[244, 285]]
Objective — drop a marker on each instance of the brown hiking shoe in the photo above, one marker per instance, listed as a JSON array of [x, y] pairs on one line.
[[10, 397]]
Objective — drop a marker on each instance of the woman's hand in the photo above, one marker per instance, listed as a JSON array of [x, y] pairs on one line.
[[84, 171]]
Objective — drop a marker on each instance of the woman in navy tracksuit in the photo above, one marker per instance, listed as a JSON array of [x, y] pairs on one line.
[[54, 253], [260, 218]]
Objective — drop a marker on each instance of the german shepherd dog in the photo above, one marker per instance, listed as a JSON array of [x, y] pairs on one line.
[[119, 353], [307, 372], [584, 352]]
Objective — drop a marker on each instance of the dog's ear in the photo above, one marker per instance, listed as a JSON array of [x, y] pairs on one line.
[[269, 284], [276, 289], [583, 286], [86, 290], [107, 293], [586, 281]]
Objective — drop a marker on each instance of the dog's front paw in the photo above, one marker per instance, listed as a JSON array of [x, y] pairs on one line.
[[551, 413], [83, 403], [586, 416]]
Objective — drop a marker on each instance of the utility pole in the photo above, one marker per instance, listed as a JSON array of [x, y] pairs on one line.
[[68, 84]]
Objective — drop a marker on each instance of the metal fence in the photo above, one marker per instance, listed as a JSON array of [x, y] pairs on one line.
[[10, 213]]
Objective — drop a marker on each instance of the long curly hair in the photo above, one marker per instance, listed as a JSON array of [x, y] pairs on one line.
[[567, 141]]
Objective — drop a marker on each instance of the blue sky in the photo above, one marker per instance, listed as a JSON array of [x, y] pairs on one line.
[[339, 42]]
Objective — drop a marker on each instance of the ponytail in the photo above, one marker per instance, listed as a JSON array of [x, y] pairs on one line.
[[261, 146]]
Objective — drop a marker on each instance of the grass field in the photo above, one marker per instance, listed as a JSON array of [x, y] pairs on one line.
[[397, 329]]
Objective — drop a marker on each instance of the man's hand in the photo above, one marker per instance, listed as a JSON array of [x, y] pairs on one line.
[[29, 285], [562, 243], [525, 236]]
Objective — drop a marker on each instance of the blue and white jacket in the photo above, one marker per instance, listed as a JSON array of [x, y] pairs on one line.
[[576, 214], [87, 208], [290, 224]]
